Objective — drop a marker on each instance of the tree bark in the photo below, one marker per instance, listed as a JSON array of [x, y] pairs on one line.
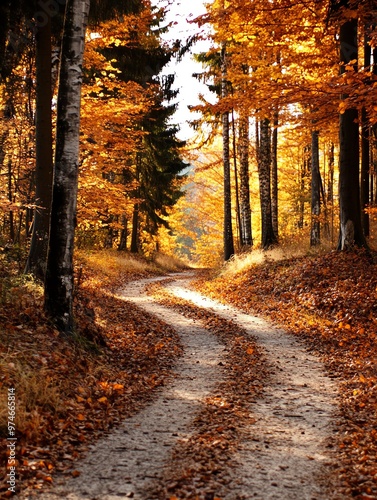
[[365, 148], [123, 234], [315, 238], [236, 184], [245, 210], [351, 232], [264, 170], [274, 176], [37, 258], [365, 170], [59, 275], [135, 230], [228, 231]]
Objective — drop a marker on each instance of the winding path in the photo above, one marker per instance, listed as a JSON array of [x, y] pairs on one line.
[[285, 455]]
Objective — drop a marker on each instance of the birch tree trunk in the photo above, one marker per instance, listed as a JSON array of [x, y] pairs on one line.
[[315, 192], [59, 275], [228, 231], [37, 258], [246, 229], [264, 171]]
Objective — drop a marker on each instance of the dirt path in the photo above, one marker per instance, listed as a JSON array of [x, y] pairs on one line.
[[285, 453]]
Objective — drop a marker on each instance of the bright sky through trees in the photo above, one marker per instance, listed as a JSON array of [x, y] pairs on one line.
[[189, 88]]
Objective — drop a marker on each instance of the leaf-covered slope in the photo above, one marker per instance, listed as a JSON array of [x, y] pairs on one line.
[[331, 303], [69, 392]]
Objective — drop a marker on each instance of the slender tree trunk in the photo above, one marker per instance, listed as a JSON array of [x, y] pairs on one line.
[[59, 275], [135, 230], [274, 176], [37, 259], [303, 175], [365, 170], [123, 234], [264, 170], [372, 174], [10, 199], [351, 232], [228, 231], [315, 238], [245, 210], [365, 148], [236, 186]]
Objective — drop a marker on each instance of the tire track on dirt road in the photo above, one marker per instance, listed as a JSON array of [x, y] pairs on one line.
[[286, 456]]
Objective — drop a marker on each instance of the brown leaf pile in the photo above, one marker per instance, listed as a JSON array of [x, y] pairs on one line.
[[331, 303], [68, 392]]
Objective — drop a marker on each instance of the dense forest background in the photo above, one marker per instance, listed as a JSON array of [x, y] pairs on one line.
[[287, 152]]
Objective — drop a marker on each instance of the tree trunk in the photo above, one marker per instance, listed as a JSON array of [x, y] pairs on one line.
[[365, 148], [59, 274], [236, 186], [37, 259], [264, 170], [274, 176], [123, 234], [135, 230], [351, 232], [245, 210], [11, 200], [228, 231], [365, 170], [315, 192]]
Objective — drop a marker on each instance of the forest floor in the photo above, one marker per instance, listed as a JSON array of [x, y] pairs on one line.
[[189, 399]]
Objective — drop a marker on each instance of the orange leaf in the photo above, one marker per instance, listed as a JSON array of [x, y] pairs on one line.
[[75, 473], [81, 417], [102, 400], [118, 387]]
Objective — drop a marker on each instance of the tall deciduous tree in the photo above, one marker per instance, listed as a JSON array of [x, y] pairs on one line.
[[59, 275], [228, 231], [264, 171], [246, 229], [351, 232], [37, 259], [316, 191]]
